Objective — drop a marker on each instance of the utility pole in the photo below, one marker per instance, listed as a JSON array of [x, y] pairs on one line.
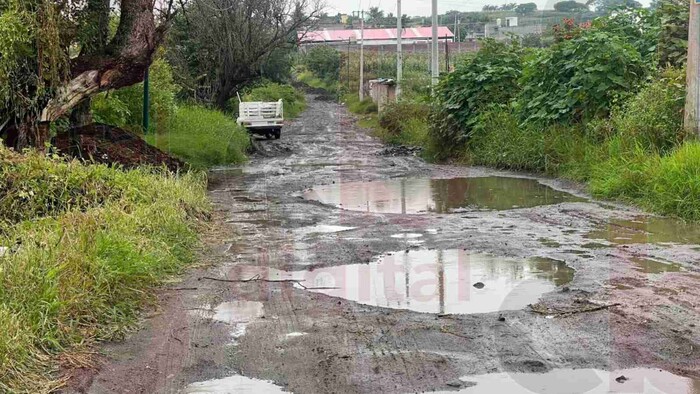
[[399, 50], [691, 120], [362, 54], [434, 52], [146, 101]]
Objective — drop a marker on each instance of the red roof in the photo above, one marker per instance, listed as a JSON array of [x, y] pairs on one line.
[[372, 34]]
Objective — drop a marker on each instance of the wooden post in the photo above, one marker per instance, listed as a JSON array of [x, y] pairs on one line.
[[691, 118]]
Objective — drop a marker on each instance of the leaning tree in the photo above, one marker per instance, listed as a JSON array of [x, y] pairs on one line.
[[55, 54]]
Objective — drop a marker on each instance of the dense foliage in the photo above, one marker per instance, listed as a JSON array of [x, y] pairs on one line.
[[579, 78], [490, 77], [324, 62]]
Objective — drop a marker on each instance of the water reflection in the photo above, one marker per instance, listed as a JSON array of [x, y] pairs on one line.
[[638, 380], [648, 230], [652, 266], [415, 195], [440, 281]]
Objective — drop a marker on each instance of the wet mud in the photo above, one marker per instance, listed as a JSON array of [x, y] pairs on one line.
[[340, 268]]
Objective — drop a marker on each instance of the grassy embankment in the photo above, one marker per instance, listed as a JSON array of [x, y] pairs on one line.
[[85, 247]]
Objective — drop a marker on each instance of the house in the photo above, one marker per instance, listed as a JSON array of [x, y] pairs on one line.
[[410, 35]]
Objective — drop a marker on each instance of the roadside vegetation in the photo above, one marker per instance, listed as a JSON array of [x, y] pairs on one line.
[[602, 103], [83, 246]]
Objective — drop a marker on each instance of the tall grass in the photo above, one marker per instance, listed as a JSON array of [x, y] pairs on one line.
[[203, 137], [80, 268]]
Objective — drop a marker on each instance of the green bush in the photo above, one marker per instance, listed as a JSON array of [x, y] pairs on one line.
[[654, 117], [488, 78], [364, 107], [124, 107], [81, 271], [324, 62], [203, 137], [294, 100], [579, 78]]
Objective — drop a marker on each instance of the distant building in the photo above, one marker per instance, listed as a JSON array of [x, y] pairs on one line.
[[409, 35]]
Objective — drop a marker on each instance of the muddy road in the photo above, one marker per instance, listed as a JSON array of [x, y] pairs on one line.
[[347, 266]]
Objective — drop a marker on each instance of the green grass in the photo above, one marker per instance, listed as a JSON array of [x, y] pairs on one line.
[[203, 138], [83, 266]]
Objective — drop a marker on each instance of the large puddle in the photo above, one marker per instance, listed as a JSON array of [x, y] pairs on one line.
[[438, 281], [648, 230], [234, 384], [590, 381], [416, 195]]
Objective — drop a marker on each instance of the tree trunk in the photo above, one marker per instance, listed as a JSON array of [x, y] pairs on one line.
[[122, 63]]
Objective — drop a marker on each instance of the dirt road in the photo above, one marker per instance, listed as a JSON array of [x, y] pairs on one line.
[[353, 267]]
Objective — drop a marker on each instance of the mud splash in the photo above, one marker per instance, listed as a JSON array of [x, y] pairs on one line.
[[440, 281], [652, 229], [636, 380], [418, 195]]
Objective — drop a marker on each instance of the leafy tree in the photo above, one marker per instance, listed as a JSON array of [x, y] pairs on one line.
[[324, 62], [375, 16], [673, 37], [570, 6], [607, 6], [223, 44], [526, 8]]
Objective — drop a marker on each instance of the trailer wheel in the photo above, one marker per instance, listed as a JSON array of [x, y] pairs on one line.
[[277, 133]]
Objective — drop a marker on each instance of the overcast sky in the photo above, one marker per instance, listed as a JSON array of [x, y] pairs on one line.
[[422, 7]]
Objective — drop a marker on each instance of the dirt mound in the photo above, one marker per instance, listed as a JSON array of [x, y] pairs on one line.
[[102, 143]]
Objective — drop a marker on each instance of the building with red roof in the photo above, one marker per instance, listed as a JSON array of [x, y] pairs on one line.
[[409, 35]]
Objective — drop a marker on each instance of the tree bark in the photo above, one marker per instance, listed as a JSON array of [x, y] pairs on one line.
[[122, 63]]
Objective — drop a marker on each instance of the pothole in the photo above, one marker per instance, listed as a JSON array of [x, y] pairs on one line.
[[234, 384], [652, 229], [636, 380], [418, 195], [452, 281]]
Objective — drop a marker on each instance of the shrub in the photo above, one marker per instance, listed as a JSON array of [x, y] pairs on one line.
[[654, 116], [490, 77], [203, 137], [124, 107], [294, 100], [579, 78], [324, 62]]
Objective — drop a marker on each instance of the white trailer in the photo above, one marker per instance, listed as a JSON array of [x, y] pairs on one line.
[[261, 118]]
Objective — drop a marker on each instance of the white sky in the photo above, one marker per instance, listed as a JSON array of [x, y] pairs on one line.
[[422, 7]]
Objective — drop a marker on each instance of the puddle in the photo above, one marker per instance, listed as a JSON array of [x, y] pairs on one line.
[[652, 266], [234, 384], [416, 195], [238, 314], [406, 235], [324, 229], [440, 281], [648, 230], [639, 380]]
